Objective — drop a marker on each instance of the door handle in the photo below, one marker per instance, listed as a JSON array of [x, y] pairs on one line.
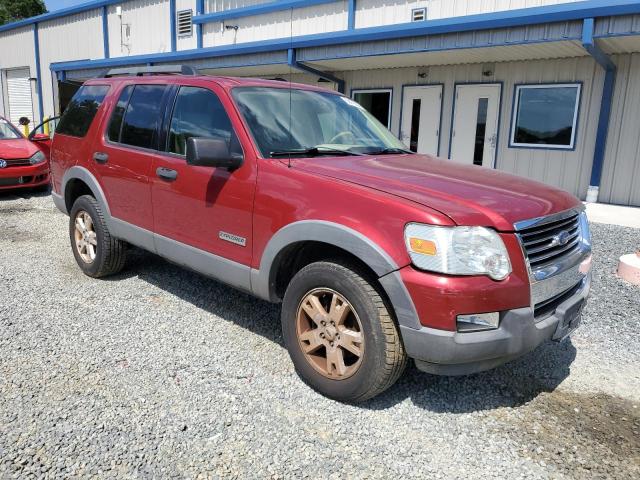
[[100, 157], [166, 173]]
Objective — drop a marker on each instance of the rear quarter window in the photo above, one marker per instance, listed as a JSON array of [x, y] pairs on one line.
[[81, 111]]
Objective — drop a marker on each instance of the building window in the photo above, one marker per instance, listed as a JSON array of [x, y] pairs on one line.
[[184, 22], [418, 14], [376, 102], [545, 116]]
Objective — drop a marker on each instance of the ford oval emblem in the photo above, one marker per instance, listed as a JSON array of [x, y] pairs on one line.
[[561, 238], [3, 163]]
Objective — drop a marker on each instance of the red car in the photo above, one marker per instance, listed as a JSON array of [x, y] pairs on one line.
[[24, 162], [298, 195]]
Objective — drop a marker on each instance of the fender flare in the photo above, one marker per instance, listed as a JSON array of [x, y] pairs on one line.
[[385, 268], [81, 173]]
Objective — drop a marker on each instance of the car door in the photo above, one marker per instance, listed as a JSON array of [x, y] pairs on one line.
[[203, 213], [124, 155]]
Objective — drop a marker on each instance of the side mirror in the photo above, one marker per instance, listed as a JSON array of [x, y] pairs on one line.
[[39, 137], [212, 152]]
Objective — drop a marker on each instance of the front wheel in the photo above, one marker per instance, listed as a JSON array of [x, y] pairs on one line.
[[339, 333]]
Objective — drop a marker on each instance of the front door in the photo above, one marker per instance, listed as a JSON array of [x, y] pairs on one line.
[[420, 123], [475, 124], [199, 211]]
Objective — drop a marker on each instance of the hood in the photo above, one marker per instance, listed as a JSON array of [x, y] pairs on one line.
[[467, 194], [17, 148]]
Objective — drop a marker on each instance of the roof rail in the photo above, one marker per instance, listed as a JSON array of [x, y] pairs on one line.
[[154, 69]]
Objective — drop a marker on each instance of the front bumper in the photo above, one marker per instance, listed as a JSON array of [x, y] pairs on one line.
[[24, 177], [452, 353]]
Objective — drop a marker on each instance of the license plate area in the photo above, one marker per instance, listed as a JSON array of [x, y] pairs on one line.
[[569, 321], [10, 181]]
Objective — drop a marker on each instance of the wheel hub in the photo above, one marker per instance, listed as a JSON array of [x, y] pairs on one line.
[[330, 333]]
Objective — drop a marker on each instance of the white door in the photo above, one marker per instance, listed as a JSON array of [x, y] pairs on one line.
[[19, 93], [420, 123], [475, 124]]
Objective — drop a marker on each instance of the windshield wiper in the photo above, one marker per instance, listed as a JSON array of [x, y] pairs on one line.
[[389, 151], [311, 152]]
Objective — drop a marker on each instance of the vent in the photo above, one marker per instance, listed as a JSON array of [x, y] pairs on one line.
[[184, 21], [418, 14]]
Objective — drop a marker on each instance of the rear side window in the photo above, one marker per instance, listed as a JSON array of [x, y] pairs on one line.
[[198, 112], [115, 124], [142, 116], [82, 109]]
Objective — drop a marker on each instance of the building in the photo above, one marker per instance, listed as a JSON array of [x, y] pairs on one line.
[[547, 89]]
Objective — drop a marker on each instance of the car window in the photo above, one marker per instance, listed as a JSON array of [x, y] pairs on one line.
[[7, 131], [142, 116], [82, 109], [115, 124], [198, 112]]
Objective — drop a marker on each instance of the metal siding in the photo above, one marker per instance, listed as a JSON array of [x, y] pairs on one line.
[[16, 51], [150, 30], [621, 173], [569, 170], [323, 18], [68, 38], [371, 13], [186, 43]]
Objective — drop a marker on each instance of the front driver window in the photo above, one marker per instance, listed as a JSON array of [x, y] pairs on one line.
[[198, 112]]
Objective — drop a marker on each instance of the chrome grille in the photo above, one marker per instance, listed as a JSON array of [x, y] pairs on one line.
[[17, 162], [544, 243]]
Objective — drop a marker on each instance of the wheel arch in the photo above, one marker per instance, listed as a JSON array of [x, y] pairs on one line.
[[334, 239], [79, 181]]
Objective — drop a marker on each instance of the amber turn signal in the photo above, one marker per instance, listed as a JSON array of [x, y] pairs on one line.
[[425, 247]]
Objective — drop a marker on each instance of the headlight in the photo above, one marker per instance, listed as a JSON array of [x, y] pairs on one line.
[[37, 157], [457, 250]]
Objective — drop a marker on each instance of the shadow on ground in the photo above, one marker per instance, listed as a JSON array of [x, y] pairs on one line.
[[510, 385]]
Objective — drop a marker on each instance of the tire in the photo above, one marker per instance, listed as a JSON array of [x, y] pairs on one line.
[[109, 252], [382, 357]]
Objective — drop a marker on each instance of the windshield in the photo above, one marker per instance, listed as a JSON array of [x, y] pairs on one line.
[[307, 122], [8, 131]]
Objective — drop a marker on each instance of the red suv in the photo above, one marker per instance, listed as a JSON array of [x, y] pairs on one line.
[[23, 163], [298, 195]]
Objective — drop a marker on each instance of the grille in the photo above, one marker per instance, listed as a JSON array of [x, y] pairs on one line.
[[548, 307], [547, 242], [10, 181], [18, 162]]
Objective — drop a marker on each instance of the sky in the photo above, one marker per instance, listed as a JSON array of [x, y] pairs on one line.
[[58, 4]]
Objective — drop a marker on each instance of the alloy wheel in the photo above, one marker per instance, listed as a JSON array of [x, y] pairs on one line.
[[85, 237]]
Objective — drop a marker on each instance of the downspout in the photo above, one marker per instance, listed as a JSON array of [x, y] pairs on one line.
[[293, 63], [602, 59], [105, 31], [36, 43], [172, 24], [199, 11]]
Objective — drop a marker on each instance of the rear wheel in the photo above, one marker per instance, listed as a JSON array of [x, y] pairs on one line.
[[97, 253], [339, 333]]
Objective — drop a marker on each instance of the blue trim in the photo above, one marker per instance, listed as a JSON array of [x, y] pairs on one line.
[[604, 117], [498, 126], [199, 29], [105, 31], [172, 24], [292, 62], [514, 111], [442, 89], [351, 15], [254, 10], [36, 43], [377, 89]]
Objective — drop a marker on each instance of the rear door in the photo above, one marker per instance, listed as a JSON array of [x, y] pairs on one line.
[[124, 155], [207, 208]]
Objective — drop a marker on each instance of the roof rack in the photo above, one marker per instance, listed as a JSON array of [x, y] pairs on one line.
[[154, 69]]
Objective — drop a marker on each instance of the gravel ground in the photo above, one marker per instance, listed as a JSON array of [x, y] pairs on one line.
[[160, 372]]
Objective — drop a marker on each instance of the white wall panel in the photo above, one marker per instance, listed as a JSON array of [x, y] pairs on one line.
[[328, 17], [621, 173], [74, 37], [16, 51], [186, 43], [385, 12], [569, 170], [149, 28], [221, 5]]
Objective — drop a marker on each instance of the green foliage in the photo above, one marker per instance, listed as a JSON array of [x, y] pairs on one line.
[[12, 10]]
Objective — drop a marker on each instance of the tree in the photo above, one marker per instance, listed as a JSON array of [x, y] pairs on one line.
[[12, 10]]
